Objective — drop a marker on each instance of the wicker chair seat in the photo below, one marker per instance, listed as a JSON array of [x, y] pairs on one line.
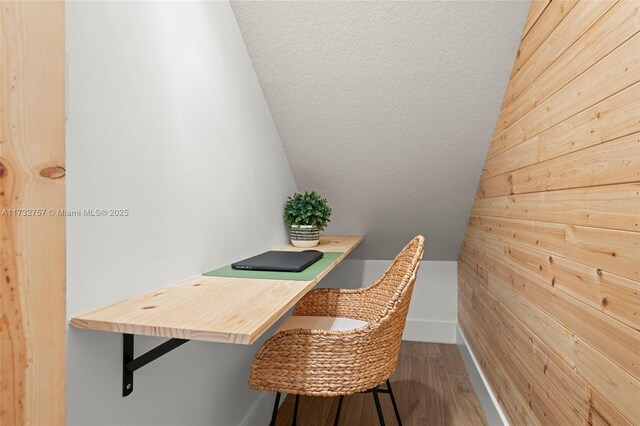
[[320, 323], [325, 362]]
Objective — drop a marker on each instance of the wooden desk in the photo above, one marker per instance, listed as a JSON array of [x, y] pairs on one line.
[[215, 309]]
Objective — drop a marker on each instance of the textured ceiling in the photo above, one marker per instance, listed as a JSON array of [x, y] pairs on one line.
[[386, 108]]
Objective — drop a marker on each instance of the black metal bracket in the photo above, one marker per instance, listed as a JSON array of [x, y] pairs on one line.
[[131, 364]]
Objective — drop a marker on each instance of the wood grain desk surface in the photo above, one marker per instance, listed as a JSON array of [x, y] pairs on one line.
[[214, 309]]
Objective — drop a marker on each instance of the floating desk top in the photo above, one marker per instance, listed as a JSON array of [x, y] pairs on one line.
[[214, 309]]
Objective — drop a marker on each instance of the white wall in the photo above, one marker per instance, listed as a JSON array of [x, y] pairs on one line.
[[433, 313], [166, 119]]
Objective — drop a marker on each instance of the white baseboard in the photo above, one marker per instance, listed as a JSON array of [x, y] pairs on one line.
[[492, 410], [430, 331], [260, 413]]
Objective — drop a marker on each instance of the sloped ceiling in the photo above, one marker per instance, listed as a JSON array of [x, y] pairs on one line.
[[386, 108]]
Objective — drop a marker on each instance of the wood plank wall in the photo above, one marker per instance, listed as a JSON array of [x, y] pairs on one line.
[[32, 246], [549, 271]]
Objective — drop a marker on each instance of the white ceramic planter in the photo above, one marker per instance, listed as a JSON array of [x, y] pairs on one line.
[[304, 236]]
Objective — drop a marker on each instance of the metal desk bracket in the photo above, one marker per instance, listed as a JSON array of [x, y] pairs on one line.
[[131, 364]]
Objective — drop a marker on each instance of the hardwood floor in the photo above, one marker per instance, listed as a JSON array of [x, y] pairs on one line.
[[431, 386]]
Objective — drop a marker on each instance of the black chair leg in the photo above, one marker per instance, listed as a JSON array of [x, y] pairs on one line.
[[393, 401], [275, 410], [295, 410], [378, 408], [337, 420]]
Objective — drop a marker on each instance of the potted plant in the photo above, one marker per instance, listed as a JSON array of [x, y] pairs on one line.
[[306, 214]]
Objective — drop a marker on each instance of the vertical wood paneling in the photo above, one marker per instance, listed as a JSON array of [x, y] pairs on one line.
[[32, 249], [549, 271]]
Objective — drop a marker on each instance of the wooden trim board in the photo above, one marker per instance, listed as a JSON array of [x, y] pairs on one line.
[[32, 185], [214, 309]]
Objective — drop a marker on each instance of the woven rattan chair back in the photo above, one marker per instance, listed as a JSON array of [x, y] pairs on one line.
[[387, 306], [392, 291], [326, 363]]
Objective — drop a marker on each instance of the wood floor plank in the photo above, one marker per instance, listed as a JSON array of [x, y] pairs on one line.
[[352, 409], [452, 360], [431, 386], [437, 410], [469, 411]]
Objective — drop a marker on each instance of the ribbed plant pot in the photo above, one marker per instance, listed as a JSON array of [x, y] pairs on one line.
[[304, 236]]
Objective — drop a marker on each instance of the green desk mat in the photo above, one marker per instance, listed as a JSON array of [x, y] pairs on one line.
[[307, 275]]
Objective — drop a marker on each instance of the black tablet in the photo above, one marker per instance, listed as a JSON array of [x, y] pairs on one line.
[[282, 261]]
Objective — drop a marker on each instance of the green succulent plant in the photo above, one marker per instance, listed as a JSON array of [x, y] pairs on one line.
[[307, 209]]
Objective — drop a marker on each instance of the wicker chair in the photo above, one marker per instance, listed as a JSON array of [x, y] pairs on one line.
[[327, 361]]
